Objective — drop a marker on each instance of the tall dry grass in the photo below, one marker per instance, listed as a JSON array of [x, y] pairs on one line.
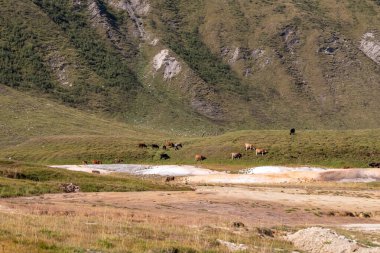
[[109, 229]]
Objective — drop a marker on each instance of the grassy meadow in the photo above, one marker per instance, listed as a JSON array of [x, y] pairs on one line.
[[37, 130], [340, 149]]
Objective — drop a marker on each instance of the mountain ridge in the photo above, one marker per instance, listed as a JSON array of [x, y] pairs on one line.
[[202, 66]]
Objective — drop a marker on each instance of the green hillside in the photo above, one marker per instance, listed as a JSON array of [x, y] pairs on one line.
[[26, 117], [204, 66], [39, 130]]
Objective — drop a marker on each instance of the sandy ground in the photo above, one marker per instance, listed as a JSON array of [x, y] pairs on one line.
[[211, 204], [140, 169], [265, 174]]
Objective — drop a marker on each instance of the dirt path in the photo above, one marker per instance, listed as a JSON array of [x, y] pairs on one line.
[[210, 205]]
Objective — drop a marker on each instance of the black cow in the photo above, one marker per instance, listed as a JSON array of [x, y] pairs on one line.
[[374, 165], [292, 131], [164, 156], [177, 146], [168, 179]]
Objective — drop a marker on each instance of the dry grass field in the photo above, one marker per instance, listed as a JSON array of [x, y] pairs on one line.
[[181, 221]]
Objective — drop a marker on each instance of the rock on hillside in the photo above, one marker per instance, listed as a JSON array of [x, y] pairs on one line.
[[135, 9], [107, 27], [171, 66], [370, 45], [322, 240]]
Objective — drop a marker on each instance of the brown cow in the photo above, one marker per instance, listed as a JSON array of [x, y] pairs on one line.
[[84, 162], [169, 144], [261, 151], [95, 172], [199, 157], [96, 162], [142, 145], [236, 156], [155, 146], [249, 146]]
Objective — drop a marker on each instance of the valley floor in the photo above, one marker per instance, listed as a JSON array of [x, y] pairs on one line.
[[188, 220]]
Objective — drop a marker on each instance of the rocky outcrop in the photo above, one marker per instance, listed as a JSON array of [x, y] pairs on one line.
[[290, 37], [139, 7], [322, 240], [235, 56], [70, 188], [60, 68], [209, 108], [100, 19], [331, 45], [370, 46], [170, 65], [154, 42], [77, 3], [253, 59], [135, 9], [232, 246]]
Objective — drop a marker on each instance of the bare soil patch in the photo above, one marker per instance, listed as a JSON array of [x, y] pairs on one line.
[[210, 205]]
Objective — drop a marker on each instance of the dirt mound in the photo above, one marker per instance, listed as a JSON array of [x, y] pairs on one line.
[[351, 175], [322, 240]]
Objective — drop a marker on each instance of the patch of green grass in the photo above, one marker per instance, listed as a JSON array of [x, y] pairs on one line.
[[105, 243], [336, 149], [19, 179]]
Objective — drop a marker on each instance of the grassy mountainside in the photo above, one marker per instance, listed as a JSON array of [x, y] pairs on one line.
[[230, 64], [39, 130], [25, 117]]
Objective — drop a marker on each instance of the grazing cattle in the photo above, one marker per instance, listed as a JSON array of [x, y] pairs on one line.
[[199, 157], [236, 156], [292, 131], [164, 156], [142, 145], [374, 165], [168, 179], [84, 162], [177, 146], [96, 162], [118, 160], [164, 147], [155, 146], [261, 151], [95, 172], [249, 146]]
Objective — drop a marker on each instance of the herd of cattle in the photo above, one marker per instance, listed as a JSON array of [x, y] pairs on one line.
[[177, 146], [200, 157]]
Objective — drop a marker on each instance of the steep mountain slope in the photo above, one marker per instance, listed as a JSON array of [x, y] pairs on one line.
[[200, 66]]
